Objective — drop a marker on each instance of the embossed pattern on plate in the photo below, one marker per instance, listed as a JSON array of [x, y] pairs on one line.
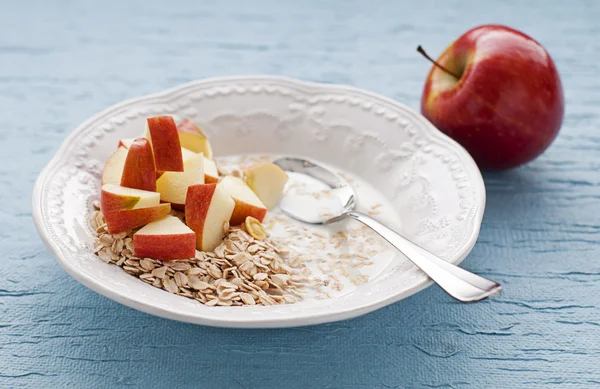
[[432, 182]]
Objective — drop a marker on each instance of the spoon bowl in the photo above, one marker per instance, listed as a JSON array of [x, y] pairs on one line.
[[317, 177], [340, 203]]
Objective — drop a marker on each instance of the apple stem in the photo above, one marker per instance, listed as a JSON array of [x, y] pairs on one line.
[[420, 50]]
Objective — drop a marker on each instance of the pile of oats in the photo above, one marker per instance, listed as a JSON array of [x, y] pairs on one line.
[[241, 271]]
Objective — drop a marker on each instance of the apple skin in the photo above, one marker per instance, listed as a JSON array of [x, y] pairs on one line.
[[114, 198], [123, 220], [207, 208], [165, 142], [197, 202], [139, 171], [165, 247], [508, 105], [246, 201], [112, 202], [243, 209], [113, 168], [211, 173], [166, 239]]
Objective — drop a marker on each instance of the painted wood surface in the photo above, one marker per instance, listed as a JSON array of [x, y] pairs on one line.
[[62, 61]]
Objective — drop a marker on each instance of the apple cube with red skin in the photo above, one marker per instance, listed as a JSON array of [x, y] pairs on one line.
[[500, 96], [207, 209], [139, 171], [113, 168], [246, 201], [115, 197], [126, 219], [162, 133], [166, 239], [211, 173], [192, 138]]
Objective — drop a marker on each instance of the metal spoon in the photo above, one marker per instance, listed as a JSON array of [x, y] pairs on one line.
[[457, 282]]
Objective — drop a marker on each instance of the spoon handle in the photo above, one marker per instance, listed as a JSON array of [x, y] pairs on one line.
[[457, 282]]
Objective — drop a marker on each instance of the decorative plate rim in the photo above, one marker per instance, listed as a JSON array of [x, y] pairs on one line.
[[253, 322]]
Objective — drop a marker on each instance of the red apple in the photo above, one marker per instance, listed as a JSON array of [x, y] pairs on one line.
[[497, 92], [162, 133], [126, 219], [211, 173], [166, 239], [115, 197], [139, 171], [113, 168], [207, 209]]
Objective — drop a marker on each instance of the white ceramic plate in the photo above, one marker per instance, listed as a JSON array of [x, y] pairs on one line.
[[430, 181]]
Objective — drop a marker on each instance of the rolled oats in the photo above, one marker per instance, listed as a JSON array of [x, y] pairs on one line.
[[169, 285], [247, 299], [147, 264], [244, 270], [180, 279]]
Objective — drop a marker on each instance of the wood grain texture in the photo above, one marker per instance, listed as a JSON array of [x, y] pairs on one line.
[[62, 61]]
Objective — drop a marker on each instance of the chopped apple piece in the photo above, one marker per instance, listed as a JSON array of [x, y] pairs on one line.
[[126, 142], [166, 239], [267, 180], [162, 134], [139, 171], [113, 169], [115, 197], [246, 201], [207, 209], [173, 186], [192, 137], [211, 173], [126, 219]]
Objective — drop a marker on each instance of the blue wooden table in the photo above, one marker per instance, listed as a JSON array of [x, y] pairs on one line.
[[62, 61]]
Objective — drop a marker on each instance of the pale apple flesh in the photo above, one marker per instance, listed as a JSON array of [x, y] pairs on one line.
[[267, 180], [207, 209], [115, 197], [508, 105], [166, 239], [127, 142], [139, 171], [192, 138], [113, 168], [162, 134], [127, 219], [211, 173], [246, 201], [173, 186]]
